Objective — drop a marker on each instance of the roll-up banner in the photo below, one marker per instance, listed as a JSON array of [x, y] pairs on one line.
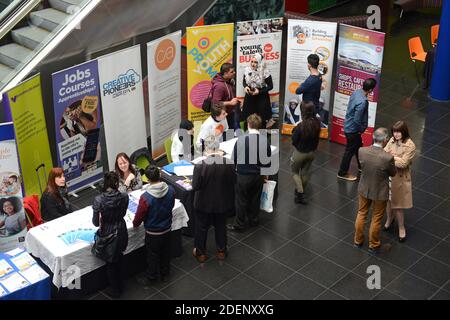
[[13, 224], [25, 104], [164, 89], [304, 38], [122, 98], [208, 47], [264, 37], [360, 55], [77, 110]]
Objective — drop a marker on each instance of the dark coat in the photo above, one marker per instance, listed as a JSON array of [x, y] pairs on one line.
[[112, 206], [53, 208], [213, 183], [259, 104]]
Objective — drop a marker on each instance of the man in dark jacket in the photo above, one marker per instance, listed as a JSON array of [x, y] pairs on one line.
[[310, 88], [224, 90], [155, 210], [248, 156], [377, 166], [356, 122], [213, 183]]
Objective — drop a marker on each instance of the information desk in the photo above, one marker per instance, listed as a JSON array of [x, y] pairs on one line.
[[185, 193], [21, 278], [64, 244]]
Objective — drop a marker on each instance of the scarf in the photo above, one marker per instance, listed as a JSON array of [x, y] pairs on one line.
[[256, 78]]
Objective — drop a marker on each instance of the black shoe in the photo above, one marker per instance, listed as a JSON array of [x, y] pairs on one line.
[[390, 225], [300, 198], [402, 239], [381, 249], [234, 228], [358, 245]]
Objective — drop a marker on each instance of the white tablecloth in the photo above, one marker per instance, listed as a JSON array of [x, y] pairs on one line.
[[67, 241]]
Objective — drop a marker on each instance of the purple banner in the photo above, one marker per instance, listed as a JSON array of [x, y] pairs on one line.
[[77, 122]]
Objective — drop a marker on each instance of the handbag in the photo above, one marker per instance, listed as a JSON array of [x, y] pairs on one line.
[[267, 196], [104, 246], [206, 105]]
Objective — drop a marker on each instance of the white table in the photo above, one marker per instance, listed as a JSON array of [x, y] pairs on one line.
[[67, 241]]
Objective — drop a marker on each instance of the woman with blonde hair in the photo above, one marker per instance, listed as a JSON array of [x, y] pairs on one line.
[[403, 149]]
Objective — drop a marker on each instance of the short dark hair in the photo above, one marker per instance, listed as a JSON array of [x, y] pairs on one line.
[[313, 60], [110, 180], [400, 126], [186, 125], [14, 177], [152, 173], [369, 84], [307, 110], [216, 109], [226, 67], [254, 121]]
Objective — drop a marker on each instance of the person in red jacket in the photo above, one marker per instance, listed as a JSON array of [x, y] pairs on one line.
[[224, 90]]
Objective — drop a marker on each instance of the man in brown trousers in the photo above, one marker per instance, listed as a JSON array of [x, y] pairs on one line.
[[377, 166]]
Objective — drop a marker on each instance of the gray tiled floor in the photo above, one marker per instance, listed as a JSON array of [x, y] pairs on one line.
[[306, 252]]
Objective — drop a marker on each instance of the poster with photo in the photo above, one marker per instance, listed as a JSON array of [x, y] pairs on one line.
[[306, 37], [77, 110], [360, 56], [13, 224], [263, 37]]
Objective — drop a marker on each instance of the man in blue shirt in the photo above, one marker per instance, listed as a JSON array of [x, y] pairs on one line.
[[310, 88], [356, 121]]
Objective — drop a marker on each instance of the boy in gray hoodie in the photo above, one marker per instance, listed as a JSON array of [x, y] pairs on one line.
[[155, 210]]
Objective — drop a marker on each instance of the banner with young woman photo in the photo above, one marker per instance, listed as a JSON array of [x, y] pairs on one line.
[[360, 56], [13, 223], [77, 110], [122, 97], [306, 37], [208, 47], [261, 37]]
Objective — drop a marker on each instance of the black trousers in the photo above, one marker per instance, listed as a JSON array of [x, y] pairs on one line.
[[354, 142], [203, 221], [158, 255], [114, 273], [247, 200]]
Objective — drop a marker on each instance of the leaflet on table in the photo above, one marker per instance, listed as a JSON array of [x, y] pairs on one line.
[[14, 282], [171, 167], [2, 291], [14, 252], [182, 171], [23, 261], [5, 267], [34, 274], [186, 184]]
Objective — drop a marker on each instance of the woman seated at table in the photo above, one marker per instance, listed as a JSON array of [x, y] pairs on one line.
[[215, 125], [178, 151], [129, 177], [55, 201], [109, 211]]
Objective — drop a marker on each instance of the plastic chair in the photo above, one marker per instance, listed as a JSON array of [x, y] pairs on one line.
[[416, 52], [434, 34], [168, 147], [141, 158]]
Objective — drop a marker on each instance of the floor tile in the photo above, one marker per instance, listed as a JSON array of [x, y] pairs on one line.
[[264, 241], [330, 295], [420, 240], [425, 201], [216, 295], [293, 256], [347, 256], [215, 273], [323, 271], [336, 226], [387, 270], [441, 252], [269, 272], [315, 240], [441, 295], [244, 288], [349, 211], [286, 226], [436, 186], [435, 225], [298, 287], [354, 287], [187, 288], [242, 257], [412, 288], [158, 296], [329, 200], [272, 295], [443, 210], [401, 256], [431, 270], [386, 295], [309, 214]]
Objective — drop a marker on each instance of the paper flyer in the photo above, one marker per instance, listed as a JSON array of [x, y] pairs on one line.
[[34, 274]]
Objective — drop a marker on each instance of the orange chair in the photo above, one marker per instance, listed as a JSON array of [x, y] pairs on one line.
[[434, 34], [416, 52]]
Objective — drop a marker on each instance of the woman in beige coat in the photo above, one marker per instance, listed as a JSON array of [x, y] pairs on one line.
[[403, 150]]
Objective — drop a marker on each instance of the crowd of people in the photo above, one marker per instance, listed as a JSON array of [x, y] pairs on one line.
[[384, 173]]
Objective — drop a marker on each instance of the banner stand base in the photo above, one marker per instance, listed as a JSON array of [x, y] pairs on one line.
[[93, 186], [74, 194]]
